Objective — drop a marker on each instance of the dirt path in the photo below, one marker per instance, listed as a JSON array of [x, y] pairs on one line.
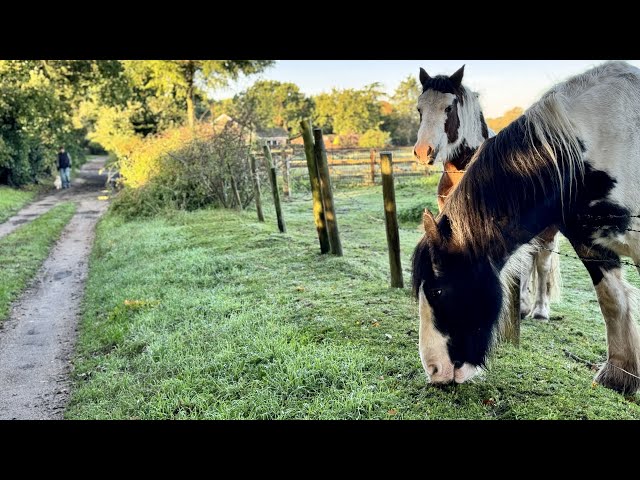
[[37, 341], [80, 185]]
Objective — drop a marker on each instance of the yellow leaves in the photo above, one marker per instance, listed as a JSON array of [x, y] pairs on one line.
[[300, 288], [141, 159], [392, 412]]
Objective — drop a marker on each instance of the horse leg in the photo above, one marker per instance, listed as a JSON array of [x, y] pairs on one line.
[[622, 369], [544, 266], [525, 280]]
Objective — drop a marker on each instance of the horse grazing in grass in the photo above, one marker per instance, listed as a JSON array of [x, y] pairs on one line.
[[573, 161], [452, 128]]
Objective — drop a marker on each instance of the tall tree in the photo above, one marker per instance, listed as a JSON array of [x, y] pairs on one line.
[[403, 121], [185, 79], [349, 111], [277, 104]]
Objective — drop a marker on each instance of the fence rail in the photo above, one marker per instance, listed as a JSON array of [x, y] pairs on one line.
[[353, 165]]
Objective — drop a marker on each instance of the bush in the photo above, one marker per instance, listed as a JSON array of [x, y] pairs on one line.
[[374, 139], [186, 169]]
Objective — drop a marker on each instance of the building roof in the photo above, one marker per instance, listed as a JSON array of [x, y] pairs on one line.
[[272, 132]]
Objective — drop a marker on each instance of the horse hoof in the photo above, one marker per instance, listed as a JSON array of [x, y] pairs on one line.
[[540, 316], [616, 378]]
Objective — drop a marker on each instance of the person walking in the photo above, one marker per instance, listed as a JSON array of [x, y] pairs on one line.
[[64, 166]]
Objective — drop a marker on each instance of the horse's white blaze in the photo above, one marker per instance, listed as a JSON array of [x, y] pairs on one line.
[[431, 132], [433, 347]]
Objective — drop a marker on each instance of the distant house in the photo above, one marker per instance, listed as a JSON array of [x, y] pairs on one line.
[[274, 137], [222, 120]]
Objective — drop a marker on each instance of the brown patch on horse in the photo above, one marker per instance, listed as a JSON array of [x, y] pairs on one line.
[[450, 178]]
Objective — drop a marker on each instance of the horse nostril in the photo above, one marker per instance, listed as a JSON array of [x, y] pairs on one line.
[[415, 154], [433, 368], [429, 151], [457, 364]]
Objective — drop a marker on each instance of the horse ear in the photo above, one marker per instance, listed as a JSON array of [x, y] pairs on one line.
[[424, 76], [456, 78], [430, 226]]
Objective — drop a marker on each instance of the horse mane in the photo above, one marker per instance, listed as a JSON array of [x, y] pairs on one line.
[[538, 153]]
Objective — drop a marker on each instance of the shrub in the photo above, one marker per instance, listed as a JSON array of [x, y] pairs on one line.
[[374, 139], [185, 169]]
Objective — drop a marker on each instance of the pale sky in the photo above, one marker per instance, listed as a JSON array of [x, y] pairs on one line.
[[502, 84]]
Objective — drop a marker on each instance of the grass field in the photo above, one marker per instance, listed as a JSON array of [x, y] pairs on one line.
[[213, 315], [12, 200], [23, 251]]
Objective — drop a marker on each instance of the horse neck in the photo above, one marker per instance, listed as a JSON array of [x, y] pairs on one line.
[[472, 133], [496, 208]]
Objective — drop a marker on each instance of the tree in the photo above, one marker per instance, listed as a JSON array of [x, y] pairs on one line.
[[374, 139], [349, 111], [37, 98], [403, 121], [277, 104], [186, 80], [497, 124]]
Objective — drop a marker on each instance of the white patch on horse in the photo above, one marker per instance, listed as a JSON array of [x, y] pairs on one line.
[[432, 133], [433, 346]]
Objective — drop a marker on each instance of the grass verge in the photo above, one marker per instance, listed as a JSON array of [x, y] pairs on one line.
[[23, 251], [211, 314], [12, 200]]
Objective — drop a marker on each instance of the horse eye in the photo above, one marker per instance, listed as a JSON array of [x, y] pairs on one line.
[[448, 109], [434, 293]]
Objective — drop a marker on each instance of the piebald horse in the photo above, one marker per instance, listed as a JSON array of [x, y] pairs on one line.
[[452, 128], [572, 160]]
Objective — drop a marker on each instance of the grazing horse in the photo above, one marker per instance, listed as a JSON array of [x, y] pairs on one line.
[[452, 128], [572, 160]]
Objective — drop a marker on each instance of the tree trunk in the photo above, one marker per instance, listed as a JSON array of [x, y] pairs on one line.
[[191, 113]]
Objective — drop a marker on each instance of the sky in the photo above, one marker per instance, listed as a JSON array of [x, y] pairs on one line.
[[502, 84]]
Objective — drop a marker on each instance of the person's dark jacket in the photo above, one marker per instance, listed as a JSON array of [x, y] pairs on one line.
[[63, 160]]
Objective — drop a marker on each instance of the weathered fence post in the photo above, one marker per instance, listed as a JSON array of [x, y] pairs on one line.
[[234, 187], [318, 207], [511, 328], [274, 187], [391, 220], [285, 175], [256, 187], [327, 194], [372, 156]]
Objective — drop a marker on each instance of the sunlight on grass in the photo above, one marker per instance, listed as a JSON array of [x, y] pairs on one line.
[[227, 318]]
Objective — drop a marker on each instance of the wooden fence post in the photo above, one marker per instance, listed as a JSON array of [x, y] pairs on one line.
[[327, 194], [285, 176], [391, 220], [274, 187], [256, 187], [372, 156], [234, 187], [318, 207]]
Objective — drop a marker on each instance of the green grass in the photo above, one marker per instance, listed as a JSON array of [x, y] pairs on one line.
[[12, 200], [213, 315], [23, 251]]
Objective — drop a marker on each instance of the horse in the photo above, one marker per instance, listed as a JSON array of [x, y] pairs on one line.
[[572, 161], [452, 128]]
